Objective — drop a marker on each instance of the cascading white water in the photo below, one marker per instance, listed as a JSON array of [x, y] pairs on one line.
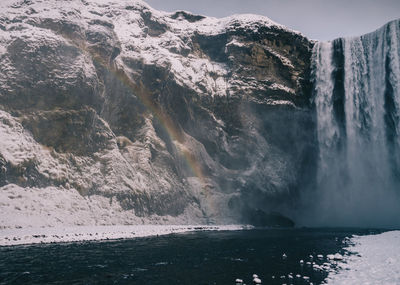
[[357, 101]]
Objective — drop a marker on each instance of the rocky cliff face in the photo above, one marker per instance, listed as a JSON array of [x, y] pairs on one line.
[[172, 117]]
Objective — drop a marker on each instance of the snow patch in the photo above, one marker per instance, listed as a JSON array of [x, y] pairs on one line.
[[284, 60], [49, 207], [235, 42], [277, 86], [249, 22], [97, 233], [373, 259], [280, 102]]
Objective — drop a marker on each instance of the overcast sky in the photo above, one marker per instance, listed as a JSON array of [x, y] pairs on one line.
[[317, 19]]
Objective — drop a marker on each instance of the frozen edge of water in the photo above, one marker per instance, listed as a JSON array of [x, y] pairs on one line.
[[9, 237]]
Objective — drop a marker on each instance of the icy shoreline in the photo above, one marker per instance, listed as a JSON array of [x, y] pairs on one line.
[[9, 237], [373, 259]]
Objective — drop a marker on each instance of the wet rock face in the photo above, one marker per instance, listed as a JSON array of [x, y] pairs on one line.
[[165, 113], [68, 131]]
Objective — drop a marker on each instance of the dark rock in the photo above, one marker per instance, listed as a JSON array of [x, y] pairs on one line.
[[187, 16], [260, 218]]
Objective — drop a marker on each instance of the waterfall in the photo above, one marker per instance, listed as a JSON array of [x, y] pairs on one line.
[[357, 103]]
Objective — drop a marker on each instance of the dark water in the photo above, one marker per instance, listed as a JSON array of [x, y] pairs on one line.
[[191, 258]]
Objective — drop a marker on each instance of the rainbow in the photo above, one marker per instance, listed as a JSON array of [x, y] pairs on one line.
[[175, 134]]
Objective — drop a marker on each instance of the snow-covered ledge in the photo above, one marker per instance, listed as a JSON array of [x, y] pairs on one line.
[[97, 233]]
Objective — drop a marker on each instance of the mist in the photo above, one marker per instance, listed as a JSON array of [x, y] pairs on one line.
[[357, 91]]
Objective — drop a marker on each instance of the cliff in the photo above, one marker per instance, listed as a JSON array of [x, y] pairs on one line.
[[114, 113]]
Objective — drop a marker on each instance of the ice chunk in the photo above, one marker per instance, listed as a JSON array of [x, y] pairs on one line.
[[330, 256], [338, 256]]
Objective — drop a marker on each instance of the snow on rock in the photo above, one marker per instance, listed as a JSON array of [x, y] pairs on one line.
[[148, 35], [51, 206], [130, 114], [56, 206], [98, 233], [373, 259]]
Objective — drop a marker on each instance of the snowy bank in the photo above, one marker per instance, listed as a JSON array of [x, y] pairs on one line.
[[96, 233], [374, 259]]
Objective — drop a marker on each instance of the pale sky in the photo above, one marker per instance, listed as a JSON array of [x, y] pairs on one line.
[[317, 19]]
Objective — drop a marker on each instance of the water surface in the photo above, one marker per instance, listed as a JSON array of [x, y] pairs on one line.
[[190, 258]]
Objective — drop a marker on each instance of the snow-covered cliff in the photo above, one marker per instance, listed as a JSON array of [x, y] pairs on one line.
[[114, 113]]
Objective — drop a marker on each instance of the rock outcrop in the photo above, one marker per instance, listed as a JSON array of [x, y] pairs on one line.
[[166, 114]]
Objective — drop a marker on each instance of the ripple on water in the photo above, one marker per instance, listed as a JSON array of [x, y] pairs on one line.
[[196, 258]]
